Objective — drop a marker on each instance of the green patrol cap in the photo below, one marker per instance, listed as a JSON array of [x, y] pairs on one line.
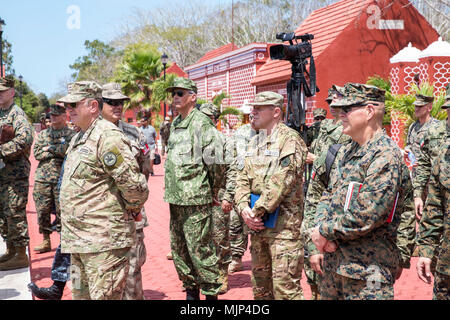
[[319, 112], [82, 90], [268, 98], [6, 83], [113, 91], [359, 94], [210, 110], [422, 100], [332, 91], [57, 110], [183, 83]]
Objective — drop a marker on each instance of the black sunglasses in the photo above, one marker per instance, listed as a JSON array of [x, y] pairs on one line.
[[70, 105], [179, 93], [347, 109], [113, 102]]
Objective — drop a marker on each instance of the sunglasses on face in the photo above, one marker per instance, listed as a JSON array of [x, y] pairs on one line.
[[347, 109], [70, 105], [179, 93], [112, 102]]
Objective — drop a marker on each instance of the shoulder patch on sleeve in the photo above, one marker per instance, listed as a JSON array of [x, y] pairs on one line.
[[286, 161], [113, 158]]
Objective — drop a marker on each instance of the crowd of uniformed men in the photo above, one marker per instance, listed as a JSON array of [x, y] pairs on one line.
[[353, 232]]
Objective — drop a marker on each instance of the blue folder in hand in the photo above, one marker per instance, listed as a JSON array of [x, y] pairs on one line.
[[270, 219]]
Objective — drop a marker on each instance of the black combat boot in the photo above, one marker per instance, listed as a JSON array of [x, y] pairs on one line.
[[192, 294], [54, 292], [211, 298]]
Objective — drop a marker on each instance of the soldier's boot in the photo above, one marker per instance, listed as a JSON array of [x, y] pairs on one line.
[[169, 256], [211, 298], [192, 294], [315, 294], [235, 265], [224, 287], [19, 261], [54, 292], [45, 246], [10, 252]]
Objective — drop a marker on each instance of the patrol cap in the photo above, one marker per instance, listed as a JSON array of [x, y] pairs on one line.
[[422, 100], [210, 109], [268, 98], [358, 94], [332, 91], [183, 83], [82, 90], [57, 110], [113, 91], [6, 83], [319, 112]]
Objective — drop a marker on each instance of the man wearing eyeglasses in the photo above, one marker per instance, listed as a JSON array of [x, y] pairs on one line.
[[113, 100], [102, 194], [356, 226], [272, 174], [190, 189]]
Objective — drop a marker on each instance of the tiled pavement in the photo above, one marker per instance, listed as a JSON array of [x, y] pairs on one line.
[[159, 275]]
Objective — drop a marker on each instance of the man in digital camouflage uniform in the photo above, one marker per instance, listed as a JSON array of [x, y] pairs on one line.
[[415, 141], [357, 222], [164, 132], [190, 189], [112, 110], [102, 194], [273, 169], [434, 230], [319, 115], [49, 149], [331, 134], [16, 138]]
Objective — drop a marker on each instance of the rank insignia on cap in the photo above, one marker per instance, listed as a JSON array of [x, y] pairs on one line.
[[110, 159]]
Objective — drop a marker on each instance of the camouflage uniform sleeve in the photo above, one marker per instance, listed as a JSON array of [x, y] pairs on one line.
[[285, 175], [23, 139], [59, 150], [242, 194], [432, 223], [118, 161], [423, 169], [231, 171], [39, 153], [406, 232], [365, 213], [212, 142]]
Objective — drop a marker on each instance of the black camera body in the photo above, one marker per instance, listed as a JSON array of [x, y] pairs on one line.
[[292, 52]]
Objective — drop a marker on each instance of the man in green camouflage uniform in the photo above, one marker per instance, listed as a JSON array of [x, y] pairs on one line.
[[190, 189], [112, 110], [102, 194], [331, 134], [16, 138], [434, 230], [312, 133], [221, 214], [357, 223], [164, 132], [238, 229], [50, 148], [415, 141], [273, 169]]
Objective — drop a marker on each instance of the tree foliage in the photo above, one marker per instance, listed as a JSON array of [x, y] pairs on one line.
[[7, 57]]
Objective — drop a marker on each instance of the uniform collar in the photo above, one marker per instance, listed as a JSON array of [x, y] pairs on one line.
[[358, 151], [184, 123], [88, 132]]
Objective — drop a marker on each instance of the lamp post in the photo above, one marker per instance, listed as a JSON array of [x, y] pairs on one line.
[[2, 23], [164, 60], [20, 90]]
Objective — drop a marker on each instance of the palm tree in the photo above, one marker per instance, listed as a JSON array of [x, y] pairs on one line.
[[140, 67]]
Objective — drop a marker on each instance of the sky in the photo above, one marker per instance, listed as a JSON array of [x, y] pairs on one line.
[[47, 36]]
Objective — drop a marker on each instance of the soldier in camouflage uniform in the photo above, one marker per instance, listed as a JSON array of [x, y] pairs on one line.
[[164, 132], [331, 135], [221, 214], [16, 138], [415, 141], [238, 229], [102, 194], [312, 133], [434, 230], [112, 110], [273, 169], [356, 224], [190, 189], [49, 149]]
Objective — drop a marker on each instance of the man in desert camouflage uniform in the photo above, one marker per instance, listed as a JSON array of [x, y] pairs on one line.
[[49, 149], [356, 224], [16, 138], [102, 193], [330, 135], [112, 110], [221, 215], [190, 189], [415, 141], [273, 169], [434, 230]]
